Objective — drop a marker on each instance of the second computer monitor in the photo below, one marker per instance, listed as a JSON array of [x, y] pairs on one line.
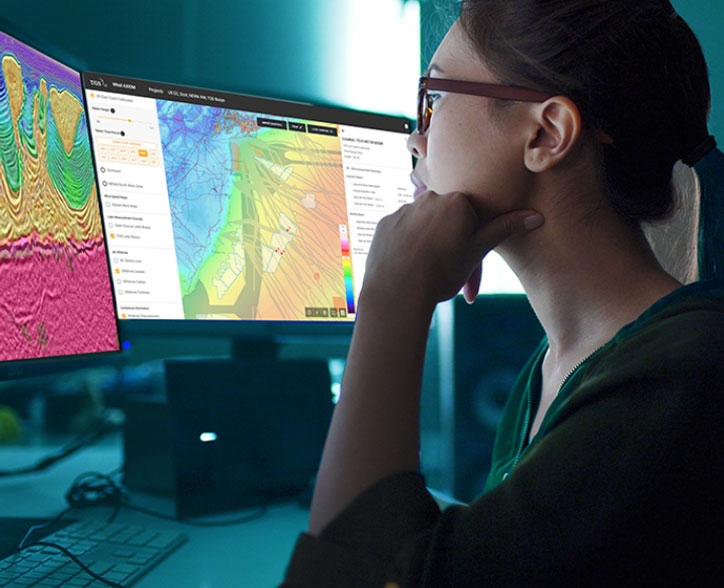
[[55, 294]]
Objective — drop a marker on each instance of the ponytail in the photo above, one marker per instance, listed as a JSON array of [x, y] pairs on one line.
[[710, 170]]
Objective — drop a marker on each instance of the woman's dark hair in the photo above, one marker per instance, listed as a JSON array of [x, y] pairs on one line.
[[633, 67]]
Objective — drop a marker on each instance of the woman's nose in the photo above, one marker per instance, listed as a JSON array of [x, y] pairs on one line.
[[417, 144]]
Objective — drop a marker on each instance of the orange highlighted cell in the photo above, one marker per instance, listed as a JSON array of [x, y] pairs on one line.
[[142, 153]]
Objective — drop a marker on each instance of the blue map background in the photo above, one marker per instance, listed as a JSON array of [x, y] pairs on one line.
[[198, 174]]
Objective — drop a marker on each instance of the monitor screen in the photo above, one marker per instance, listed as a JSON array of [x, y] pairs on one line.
[[225, 207], [55, 291]]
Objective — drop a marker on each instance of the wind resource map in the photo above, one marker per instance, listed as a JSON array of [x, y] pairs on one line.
[[55, 296], [257, 214]]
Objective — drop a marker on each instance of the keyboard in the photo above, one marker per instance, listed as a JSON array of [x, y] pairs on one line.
[[117, 552]]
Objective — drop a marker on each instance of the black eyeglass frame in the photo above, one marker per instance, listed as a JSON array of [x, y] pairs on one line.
[[424, 106]]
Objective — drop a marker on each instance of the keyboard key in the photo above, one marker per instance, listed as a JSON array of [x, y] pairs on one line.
[[100, 567], [83, 547], [142, 538], [50, 583], [127, 569], [7, 576], [125, 553], [162, 541], [37, 558], [114, 576], [51, 565], [64, 574]]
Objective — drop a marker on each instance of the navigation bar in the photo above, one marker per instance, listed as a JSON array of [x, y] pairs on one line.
[[283, 108]]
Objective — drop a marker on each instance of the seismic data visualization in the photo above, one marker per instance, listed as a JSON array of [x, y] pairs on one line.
[[258, 212], [55, 293]]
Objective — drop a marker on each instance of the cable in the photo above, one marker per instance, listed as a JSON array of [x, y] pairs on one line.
[[257, 514], [92, 488], [105, 426], [96, 489], [34, 528], [87, 490], [76, 560]]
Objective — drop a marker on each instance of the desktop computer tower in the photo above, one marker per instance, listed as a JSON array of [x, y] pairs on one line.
[[231, 433]]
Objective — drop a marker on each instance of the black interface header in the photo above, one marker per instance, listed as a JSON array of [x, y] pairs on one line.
[[256, 104]]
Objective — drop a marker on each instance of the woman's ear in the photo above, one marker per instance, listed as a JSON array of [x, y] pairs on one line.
[[554, 133]]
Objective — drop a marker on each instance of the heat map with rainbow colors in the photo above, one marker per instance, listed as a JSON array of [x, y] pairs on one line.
[[256, 215]]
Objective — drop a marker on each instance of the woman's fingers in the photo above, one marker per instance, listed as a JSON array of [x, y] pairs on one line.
[[507, 225], [472, 285], [433, 247]]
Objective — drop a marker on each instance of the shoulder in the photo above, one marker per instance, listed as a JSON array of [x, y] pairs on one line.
[[668, 365], [683, 333]]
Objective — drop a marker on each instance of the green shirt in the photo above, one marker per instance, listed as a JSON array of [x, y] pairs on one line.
[[621, 486]]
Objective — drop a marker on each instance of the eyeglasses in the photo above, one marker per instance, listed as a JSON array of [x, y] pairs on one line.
[[424, 103]]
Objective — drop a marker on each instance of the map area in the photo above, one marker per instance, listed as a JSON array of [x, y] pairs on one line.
[[257, 205], [55, 293]]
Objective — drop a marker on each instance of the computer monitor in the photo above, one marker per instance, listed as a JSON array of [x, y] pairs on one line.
[[238, 215], [56, 299]]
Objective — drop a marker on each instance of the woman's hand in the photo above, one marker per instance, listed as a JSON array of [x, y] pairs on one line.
[[434, 246]]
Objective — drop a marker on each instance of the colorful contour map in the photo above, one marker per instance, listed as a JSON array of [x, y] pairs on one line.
[[256, 215], [55, 293]]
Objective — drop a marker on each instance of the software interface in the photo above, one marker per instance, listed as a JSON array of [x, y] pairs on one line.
[[55, 292], [220, 206]]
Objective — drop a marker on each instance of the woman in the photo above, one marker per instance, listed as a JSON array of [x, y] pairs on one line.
[[608, 466]]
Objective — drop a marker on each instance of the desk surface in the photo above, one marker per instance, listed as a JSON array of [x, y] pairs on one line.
[[253, 554]]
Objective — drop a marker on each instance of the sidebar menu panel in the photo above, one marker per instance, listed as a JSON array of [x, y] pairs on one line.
[[134, 195]]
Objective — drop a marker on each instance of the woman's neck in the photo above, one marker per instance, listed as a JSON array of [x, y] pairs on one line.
[[586, 276]]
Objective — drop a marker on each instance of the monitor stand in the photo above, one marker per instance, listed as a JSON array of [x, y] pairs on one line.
[[244, 431], [249, 351]]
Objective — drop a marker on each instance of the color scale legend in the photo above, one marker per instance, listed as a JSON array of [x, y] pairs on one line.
[[347, 268]]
